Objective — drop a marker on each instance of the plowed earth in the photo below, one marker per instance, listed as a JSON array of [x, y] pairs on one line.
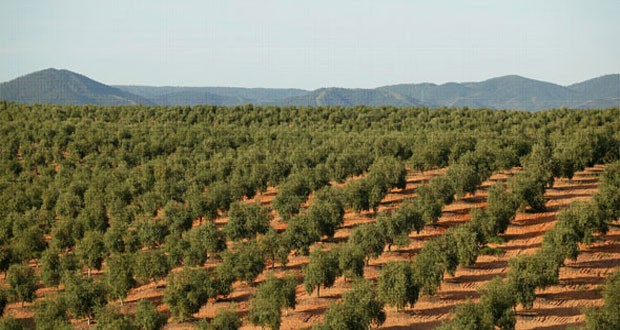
[[556, 307]]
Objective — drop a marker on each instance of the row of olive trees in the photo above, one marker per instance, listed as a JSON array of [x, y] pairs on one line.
[[400, 283], [577, 224], [80, 298], [608, 315]]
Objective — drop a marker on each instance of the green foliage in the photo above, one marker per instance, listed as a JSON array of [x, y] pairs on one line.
[[71, 171], [540, 165], [6, 257], [465, 178], [82, 296], [27, 243], [51, 314], [246, 262], [150, 265], [358, 310], [51, 268], [119, 238], [203, 241], [272, 295], [501, 208], [350, 260], [560, 243], [397, 286], [274, 247], [498, 297], [91, 250], [348, 163], [291, 194], [608, 196], [175, 247], [606, 317], [326, 211], [430, 151], [394, 229], [530, 272], [389, 170], [220, 195], [110, 318], [226, 319], [529, 190], [584, 221], [265, 312], [187, 290], [466, 240], [469, 316], [443, 189], [437, 256], [246, 220], [357, 195], [408, 214], [151, 233], [301, 233], [177, 217], [370, 239], [322, 270], [119, 276], [428, 204], [147, 317], [22, 283], [10, 323]]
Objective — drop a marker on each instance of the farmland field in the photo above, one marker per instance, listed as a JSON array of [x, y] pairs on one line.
[[232, 200]]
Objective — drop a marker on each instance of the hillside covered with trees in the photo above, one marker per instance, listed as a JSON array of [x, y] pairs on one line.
[[506, 92], [248, 212]]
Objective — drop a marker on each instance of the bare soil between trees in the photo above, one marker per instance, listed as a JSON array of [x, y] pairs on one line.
[[556, 307]]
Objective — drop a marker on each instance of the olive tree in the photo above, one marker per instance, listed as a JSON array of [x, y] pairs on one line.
[[370, 239], [147, 317], [82, 296], [322, 270], [187, 290], [150, 265], [22, 283], [204, 240], [358, 310], [397, 285], [51, 314], [246, 220], [119, 276], [91, 250], [608, 315]]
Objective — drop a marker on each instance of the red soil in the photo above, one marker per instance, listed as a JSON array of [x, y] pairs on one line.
[[555, 308]]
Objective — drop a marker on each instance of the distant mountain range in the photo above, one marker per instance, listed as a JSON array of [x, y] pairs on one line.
[[507, 92]]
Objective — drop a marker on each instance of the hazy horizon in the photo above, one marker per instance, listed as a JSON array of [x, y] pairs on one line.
[[280, 44]]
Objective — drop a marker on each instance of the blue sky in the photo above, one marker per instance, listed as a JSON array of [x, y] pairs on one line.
[[310, 44]]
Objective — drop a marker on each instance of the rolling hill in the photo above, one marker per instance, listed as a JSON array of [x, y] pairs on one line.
[[64, 87], [351, 97], [507, 92]]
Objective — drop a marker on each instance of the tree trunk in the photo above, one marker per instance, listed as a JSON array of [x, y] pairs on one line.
[[88, 272], [121, 299], [318, 291], [88, 320]]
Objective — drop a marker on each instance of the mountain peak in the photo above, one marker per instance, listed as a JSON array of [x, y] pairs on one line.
[[64, 87]]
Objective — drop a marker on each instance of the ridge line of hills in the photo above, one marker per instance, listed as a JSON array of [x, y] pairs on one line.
[[507, 92]]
